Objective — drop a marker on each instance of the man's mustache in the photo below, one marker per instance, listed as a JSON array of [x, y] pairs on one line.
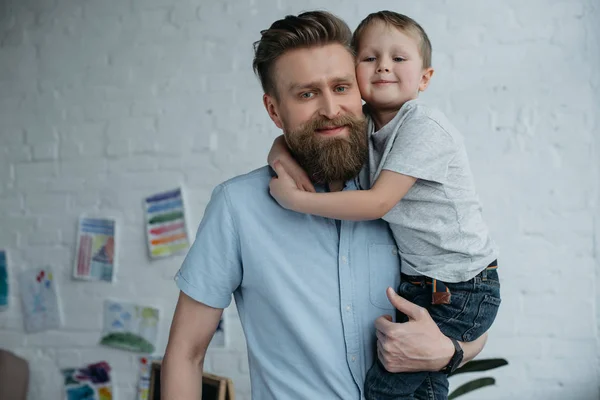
[[326, 123]]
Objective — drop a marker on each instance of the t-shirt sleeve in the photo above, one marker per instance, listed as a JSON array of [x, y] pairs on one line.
[[422, 149], [212, 269]]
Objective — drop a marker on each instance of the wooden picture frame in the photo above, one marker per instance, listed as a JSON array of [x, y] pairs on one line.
[[214, 387]]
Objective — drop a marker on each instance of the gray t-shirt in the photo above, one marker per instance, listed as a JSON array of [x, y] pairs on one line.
[[438, 225]]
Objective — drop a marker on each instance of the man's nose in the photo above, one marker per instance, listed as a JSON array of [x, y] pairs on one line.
[[330, 107]]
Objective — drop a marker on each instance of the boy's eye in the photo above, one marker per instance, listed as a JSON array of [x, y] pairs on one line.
[[398, 59], [369, 59]]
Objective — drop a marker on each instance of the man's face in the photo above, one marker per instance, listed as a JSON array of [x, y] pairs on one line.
[[319, 108]]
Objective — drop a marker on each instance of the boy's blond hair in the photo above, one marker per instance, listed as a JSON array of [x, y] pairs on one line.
[[401, 22]]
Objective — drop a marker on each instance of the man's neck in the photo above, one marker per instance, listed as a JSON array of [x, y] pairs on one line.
[[336, 186]]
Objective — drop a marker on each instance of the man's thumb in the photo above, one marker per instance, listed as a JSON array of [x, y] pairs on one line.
[[411, 310]]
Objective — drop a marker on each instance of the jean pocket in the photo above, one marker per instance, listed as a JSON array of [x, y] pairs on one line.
[[381, 275], [486, 314]]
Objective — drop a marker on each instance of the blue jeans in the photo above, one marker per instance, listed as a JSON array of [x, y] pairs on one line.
[[472, 310]]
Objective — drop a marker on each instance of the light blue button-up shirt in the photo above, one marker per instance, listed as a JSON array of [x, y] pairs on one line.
[[308, 289]]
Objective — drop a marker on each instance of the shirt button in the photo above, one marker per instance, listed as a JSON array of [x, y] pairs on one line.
[[177, 278], [395, 251], [348, 308], [344, 259], [353, 358]]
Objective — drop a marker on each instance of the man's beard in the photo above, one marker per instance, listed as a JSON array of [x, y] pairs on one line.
[[326, 160]]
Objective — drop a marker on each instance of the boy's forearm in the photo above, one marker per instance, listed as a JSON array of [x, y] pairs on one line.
[[278, 149], [353, 205], [181, 378]]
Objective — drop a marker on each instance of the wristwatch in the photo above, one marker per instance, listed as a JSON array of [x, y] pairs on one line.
[[455, 360]]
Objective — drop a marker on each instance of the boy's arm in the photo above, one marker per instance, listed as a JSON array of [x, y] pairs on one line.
[[280, 152], [192, 329], [356, 205]]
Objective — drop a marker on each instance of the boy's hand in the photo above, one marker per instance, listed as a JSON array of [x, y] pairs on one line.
[[300, 177], [283, 188], [280, 152]]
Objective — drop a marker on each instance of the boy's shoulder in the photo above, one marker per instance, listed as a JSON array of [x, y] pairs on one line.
[[417, 111]]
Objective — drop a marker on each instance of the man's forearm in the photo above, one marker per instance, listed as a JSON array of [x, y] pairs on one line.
[[181, 378]]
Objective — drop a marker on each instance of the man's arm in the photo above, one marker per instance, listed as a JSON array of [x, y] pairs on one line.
[[192, 329], [417, 345], [353, 205]]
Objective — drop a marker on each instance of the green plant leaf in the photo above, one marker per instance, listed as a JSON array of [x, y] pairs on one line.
[[470, 386], [481, 365]]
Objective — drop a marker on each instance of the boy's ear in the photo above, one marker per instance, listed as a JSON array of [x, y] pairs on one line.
[[272, 109], [425, 78]]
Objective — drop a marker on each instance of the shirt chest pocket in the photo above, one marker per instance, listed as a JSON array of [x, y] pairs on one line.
[[384, 271]]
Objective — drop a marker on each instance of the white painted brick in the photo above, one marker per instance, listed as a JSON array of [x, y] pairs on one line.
[[15, 153], [105, 103], [45, 151], [46, 204]]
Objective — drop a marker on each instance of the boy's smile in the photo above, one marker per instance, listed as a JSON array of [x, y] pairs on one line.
[[389, 67]]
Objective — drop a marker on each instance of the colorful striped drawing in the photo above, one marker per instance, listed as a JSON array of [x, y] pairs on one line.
[[166, 227], [96, 250], [3, 280]]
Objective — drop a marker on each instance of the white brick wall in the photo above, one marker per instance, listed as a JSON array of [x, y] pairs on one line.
[[105, 102]]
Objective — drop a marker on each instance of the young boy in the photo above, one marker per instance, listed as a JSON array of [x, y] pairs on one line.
[[421, 185]]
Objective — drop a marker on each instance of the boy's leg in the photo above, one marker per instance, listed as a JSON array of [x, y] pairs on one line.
[[473, 307], [435, 387], [383, 385]]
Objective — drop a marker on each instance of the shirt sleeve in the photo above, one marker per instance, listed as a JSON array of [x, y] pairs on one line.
[[422, 149], [212, 269]]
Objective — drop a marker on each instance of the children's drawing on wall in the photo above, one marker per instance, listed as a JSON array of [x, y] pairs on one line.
[[39, 295], [91, 382], [96, 249], [166, 227], [3, 280], [130, 327], [144, 380]]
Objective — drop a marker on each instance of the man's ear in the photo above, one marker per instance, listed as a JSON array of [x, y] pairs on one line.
[[425, 78], [272, 109]]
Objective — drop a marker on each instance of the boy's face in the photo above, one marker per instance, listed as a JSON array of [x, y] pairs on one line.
[[389, 67]]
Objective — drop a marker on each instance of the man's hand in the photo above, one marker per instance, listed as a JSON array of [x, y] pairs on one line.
[[416, 345], [283, 188]]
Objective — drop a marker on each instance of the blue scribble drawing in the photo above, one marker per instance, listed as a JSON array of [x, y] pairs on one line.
[[129, 326], [114, 307]]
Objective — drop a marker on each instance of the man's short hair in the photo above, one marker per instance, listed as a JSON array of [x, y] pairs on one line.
[[313, 28], [404, 24]]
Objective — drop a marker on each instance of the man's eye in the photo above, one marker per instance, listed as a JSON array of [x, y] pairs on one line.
[[306, 95], [398, 59], [341, 89]]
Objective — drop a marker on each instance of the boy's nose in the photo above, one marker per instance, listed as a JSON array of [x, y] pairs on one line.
[[383, 69]]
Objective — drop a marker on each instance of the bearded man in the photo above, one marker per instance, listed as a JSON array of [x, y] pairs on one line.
[[310, 291]]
